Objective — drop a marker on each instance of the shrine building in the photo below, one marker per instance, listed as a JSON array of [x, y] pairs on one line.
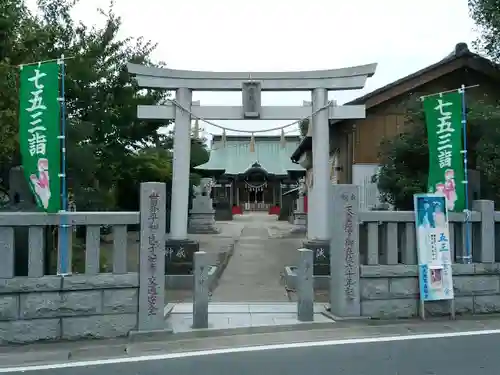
[[252, 173]]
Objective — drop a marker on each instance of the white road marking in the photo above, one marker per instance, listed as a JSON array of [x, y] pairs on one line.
[[201, 353]]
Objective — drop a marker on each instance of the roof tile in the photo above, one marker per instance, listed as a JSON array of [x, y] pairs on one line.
[[236, 158]]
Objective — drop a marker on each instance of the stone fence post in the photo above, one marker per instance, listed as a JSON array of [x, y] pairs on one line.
[[200, 298], [152, 256], [344, 250], [305, 286], [484, 248]]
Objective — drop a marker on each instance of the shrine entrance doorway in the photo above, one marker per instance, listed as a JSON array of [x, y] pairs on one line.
[[256, 188]]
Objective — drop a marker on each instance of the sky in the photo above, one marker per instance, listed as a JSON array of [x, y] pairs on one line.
[[284, 35]]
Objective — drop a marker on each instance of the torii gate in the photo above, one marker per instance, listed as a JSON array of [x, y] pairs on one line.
[[251, 84]]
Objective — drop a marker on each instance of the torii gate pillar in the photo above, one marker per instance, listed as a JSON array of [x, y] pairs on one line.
[[321, 171], [180, 166]]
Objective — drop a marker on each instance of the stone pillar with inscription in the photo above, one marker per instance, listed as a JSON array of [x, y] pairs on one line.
[[305, 286], [200, 297], [151, 256], [344, 251]]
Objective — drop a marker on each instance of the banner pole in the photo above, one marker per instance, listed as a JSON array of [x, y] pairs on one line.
[[468, 227], [447, 91], [64, 227]]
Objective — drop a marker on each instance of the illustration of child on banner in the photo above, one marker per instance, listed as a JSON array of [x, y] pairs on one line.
[[433, 247]]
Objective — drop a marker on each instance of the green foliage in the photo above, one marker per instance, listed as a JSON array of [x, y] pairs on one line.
[[199, 152], [404, 159], [14, 25], [487, 144], [109, 151], [303, 127], [404, 164], [78, 258], [150, 164], [486, 15]]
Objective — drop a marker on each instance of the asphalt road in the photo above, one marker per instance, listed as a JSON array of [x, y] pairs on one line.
[[443, 354]]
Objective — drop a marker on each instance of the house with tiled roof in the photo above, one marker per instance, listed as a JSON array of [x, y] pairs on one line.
[[355, 143]]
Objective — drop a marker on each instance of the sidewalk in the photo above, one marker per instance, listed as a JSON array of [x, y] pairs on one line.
[[230, 316]]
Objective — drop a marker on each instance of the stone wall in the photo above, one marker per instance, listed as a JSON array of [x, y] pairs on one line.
[[392, 291], [70, 308]]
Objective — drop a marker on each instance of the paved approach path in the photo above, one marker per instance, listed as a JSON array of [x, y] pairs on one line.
[[255, 270]]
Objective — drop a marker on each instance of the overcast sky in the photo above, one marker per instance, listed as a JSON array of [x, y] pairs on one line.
[[287, 35]]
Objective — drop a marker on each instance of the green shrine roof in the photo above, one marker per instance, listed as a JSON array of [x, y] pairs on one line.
[[236, 157]]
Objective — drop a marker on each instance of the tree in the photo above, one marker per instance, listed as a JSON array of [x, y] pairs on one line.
[[404, 159], [404, 164], [199, 152], [108, 148], [150, 164], [486, 15], [486, 118], [304, 127], [103, 133], [15, 22]]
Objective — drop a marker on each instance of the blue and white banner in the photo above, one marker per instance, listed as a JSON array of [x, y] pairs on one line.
[[433, 247]]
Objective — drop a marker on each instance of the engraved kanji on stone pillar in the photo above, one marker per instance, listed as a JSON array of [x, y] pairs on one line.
[[344, 250], [151, 254]]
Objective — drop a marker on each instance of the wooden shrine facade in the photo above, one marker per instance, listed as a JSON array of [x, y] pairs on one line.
[[252, 173]]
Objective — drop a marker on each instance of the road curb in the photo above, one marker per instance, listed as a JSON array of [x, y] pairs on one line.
[[204, 333], [145, 336], [93, 352], [32, 357]]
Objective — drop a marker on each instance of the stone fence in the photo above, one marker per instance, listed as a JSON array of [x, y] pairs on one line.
[[388, 237], [42, 306], [388, 257], [48, 307], [373, 259]]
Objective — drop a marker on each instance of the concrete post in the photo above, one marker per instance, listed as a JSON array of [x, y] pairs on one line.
[[305, 288], [344, 251], [485, 247], [151, 256], [180, 166], [200, 298], [321, 157]]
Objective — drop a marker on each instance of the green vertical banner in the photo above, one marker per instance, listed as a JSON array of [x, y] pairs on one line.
[[443, 115], [39, 120]]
